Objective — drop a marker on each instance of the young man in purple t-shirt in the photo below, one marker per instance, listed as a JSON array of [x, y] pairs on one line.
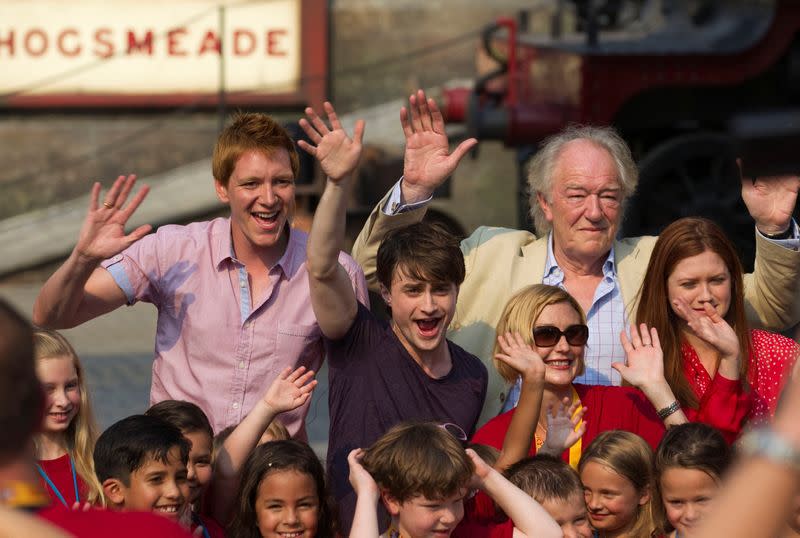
[[382, 374]]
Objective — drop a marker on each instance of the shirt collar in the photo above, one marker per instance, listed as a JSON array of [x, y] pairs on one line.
[[551, 265], [288, 263]]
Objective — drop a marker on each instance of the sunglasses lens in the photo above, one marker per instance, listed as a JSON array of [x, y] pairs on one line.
[[577, 335], [546, 336]]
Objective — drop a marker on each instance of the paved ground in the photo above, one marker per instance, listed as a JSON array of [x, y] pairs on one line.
[[116, 351]]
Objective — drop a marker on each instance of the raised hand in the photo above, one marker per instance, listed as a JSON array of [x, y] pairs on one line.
[[644, 367], [482, 470], [290, 390], [710, 327], [360, 479], [564, 427], [770, 200], [336, 153], [520, 356], [427, 161], [102, 234]]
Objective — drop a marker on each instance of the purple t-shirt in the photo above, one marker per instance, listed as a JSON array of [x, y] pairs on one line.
[[375, 384]]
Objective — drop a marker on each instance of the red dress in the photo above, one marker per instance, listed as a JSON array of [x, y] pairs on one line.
[[607, 408], [724, 403]]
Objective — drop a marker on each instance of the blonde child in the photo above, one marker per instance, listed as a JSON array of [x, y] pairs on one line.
[[68, 433], [616, 470]]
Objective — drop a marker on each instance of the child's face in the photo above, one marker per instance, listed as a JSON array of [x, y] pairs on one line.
[[687, 495], [287, 504], [612, 500], [570, 514], [160, 487], [420, 517], [62, 387], [199, 465]]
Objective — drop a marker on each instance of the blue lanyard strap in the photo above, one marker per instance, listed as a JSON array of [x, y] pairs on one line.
[[53, 486], [199, 523]]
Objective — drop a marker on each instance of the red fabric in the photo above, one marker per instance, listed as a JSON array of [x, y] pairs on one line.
[[607, 408], [482, 521], [724, 403], [60, 473], [214, 529], [103, 523]]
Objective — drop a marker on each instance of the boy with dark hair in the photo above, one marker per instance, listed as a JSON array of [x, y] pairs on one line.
[[381, 374], [141, 464], [21, 411]]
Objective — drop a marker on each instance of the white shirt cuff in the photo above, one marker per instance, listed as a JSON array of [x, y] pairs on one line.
[[395, 205], [792, 243]]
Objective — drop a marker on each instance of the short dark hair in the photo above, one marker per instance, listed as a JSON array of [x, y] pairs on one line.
[[21, 395], [425, 251], [186, 416], [276, 456], [129, 443], [545, 477]]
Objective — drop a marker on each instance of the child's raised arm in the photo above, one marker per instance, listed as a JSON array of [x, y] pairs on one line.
[[522, 357], [288, 391], [365, 519], [332, 296], [528, 515]]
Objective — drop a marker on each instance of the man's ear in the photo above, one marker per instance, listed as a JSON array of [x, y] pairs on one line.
[[545, 205], [387, 297], [114, 490], [222, 192], [391, 503]]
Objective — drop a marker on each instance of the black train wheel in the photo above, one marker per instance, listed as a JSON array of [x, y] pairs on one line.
[[692, 175]]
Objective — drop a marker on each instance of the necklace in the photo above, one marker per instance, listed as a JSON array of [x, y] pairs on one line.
[[53, 486]]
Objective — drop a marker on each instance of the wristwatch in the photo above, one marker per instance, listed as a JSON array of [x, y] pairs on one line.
[[764, 442]]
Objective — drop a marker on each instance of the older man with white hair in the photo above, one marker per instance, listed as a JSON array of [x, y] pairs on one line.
[[579, 182]]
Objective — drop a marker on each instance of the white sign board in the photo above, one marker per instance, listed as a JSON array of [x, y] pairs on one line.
[[130, 47]]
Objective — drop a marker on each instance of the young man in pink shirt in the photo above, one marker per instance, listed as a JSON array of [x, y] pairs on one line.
[[232, 293]]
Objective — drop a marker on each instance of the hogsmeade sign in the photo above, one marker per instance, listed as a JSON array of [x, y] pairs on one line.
[[151, 53]]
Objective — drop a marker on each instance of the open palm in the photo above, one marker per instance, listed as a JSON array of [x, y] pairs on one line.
[[336, 152]]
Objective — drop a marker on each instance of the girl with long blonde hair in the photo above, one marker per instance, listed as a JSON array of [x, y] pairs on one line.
[[68, 433]]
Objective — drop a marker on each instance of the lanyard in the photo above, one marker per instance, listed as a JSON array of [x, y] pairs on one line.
[[576, 449], [53, 486], [199, 523]]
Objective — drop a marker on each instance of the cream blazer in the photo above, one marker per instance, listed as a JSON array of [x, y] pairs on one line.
[[500, 261]]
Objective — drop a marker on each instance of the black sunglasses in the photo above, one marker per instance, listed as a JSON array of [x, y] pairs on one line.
[[548, 335]]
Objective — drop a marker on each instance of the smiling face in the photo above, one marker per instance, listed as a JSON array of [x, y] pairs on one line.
[[701, 279], [420, 517], [585, 202], [260, 192], [158, 486], [421, 312], [198, 467], [570, 514], [287, 505], [62, 389], [562, 361], [612, 500], [687, 496]]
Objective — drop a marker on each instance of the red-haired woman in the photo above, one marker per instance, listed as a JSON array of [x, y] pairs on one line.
[[721, 372]]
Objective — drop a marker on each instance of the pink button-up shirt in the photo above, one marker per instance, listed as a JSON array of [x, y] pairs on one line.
[[212, 347]]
